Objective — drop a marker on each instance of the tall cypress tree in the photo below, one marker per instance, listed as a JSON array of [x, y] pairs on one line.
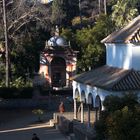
[[63, 11], [58, 12]]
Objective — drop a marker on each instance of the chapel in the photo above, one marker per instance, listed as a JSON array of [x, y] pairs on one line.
[[58, 62], [120, 75]]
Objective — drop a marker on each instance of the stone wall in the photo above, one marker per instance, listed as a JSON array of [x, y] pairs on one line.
[[79, 130], [50, 103], [83, 133], [23, 103]]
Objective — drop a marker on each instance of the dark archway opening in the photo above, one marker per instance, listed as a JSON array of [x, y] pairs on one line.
[[58, 72]]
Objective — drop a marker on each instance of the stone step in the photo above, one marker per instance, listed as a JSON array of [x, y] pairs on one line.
[[72, 137]]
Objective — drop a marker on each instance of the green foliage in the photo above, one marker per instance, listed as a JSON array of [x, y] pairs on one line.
[[25, 53], [69, 35], [39, 113], [63, 11], [14, 93], [92, 52], [122, 124], [27, 28], [124, 12], [20, 83], [2, 72], [120, 120], [77, 21], [58, 12], [113, 103]]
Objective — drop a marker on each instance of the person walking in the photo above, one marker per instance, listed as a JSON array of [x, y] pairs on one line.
[[35, 137], [61, 107]]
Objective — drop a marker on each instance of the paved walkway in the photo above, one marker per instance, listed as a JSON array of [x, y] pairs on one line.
[[20, 125]]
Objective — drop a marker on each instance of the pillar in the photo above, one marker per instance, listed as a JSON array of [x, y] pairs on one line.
[[75, 109], [96, 114], [88, 115], [82, 112]]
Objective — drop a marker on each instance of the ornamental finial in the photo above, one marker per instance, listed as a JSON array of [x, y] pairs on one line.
[[56, 30]]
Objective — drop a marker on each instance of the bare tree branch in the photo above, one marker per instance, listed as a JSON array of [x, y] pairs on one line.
[[9, 3], [21, 13], [18, 20]]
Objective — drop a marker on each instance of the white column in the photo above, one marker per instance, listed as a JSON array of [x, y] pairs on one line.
[[82, 112], [88, 115], [75, 109]]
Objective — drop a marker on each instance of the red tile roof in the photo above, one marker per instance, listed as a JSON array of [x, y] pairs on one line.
[[110, 78]]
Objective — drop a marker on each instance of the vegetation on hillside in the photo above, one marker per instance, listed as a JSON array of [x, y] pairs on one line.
[[30, 24], [120, 120]]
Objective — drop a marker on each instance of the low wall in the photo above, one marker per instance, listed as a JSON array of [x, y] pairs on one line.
[[83, 133], [50, 103], [44, 103], [64, 125], [80, 131], [23, 103]]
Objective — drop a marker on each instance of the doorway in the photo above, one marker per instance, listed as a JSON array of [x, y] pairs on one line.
[[58, 72]]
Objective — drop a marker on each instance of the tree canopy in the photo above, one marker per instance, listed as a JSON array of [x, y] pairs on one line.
[[26, 26], [124, 12], [120, 120], [30, 24], [91, 51]]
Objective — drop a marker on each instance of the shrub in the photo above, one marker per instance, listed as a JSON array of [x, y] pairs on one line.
[[123, 124], [13, 92], [39, 113], [120, 120]]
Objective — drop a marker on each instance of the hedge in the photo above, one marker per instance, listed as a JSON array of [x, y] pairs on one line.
[[12, 93]]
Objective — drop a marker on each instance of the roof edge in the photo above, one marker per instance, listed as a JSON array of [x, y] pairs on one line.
[[115, 34]]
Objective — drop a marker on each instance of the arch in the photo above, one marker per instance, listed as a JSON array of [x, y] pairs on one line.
[[77, 94], [98, 103], [90, 99], [57, 61], [98, 107], [58, 72], [83, 96]]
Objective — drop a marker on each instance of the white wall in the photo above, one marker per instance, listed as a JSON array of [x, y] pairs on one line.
[[136, 57], [119, 55]]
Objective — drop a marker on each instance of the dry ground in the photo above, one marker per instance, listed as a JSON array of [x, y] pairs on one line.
[[21, 124]]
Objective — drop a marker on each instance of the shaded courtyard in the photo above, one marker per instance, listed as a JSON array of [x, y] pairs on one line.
[[21, 124]]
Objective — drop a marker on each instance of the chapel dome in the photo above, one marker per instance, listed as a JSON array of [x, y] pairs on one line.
[[57, 41]]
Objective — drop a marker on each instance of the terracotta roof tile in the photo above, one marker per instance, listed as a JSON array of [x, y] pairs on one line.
[[130, 33], [110, 78]]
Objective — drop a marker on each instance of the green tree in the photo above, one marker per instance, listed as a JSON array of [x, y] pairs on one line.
[[22, 14], [91, 51], [69, 35], [113, 103], [58, 13], [71, 7], [124, 12], [120, 120], [63, 11], [28, 26], [124, 124], [25, 53]]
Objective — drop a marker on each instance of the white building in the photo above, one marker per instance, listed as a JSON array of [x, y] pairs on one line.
[[120, 75]]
